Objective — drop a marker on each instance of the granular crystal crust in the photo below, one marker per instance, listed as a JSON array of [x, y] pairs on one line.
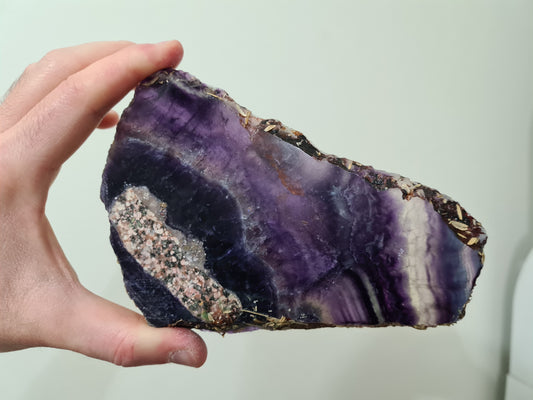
[[222, 220]]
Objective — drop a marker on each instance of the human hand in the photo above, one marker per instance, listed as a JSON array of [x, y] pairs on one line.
[[45, 117]]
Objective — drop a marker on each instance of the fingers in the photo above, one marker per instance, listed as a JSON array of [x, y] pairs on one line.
[[104, 330], [41, 78], [54, 128], [47, 115], [109, 120]]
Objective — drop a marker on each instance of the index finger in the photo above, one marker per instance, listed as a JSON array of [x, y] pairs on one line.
[[42, 77]]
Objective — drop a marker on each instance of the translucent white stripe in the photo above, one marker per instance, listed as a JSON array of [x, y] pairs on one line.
[[414, 218]]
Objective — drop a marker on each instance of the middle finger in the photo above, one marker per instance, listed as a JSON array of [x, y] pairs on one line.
[[42, 77]]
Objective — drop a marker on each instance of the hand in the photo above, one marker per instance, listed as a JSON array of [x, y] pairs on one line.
[[45, 117]]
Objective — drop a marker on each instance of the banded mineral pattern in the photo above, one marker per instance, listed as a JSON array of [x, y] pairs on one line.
[[170, 257], [225, 221]]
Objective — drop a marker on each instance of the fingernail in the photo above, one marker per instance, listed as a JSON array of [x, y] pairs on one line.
[[170, 43], [183, 357], [166, 42]]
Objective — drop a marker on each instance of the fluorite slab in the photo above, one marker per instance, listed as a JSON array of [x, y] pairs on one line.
[[225, 221]]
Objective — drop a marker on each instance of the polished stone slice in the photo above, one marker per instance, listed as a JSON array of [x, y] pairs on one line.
[[225, 221]]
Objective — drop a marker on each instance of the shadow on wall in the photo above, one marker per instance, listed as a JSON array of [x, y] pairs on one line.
[[381, 363], [430, 365], [71, 376], [395, 363], [520, 254]]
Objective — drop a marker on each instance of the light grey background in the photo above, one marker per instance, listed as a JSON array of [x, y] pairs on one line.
[[439, 91]]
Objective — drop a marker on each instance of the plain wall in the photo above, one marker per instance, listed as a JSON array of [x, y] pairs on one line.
[[439, 91]]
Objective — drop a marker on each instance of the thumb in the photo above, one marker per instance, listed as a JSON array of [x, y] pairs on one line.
[[107, 331]]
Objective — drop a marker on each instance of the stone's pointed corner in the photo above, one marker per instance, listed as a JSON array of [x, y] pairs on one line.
[[225, 221]]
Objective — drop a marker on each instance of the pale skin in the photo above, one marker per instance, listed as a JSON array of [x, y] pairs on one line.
[[44, 118]]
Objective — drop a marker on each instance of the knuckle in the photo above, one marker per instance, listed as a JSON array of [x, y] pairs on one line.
[[124, 354], [75, 91], [8, 176], [27, 75], [48, 63], [30, 70], [72, 87], [50, 60]]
